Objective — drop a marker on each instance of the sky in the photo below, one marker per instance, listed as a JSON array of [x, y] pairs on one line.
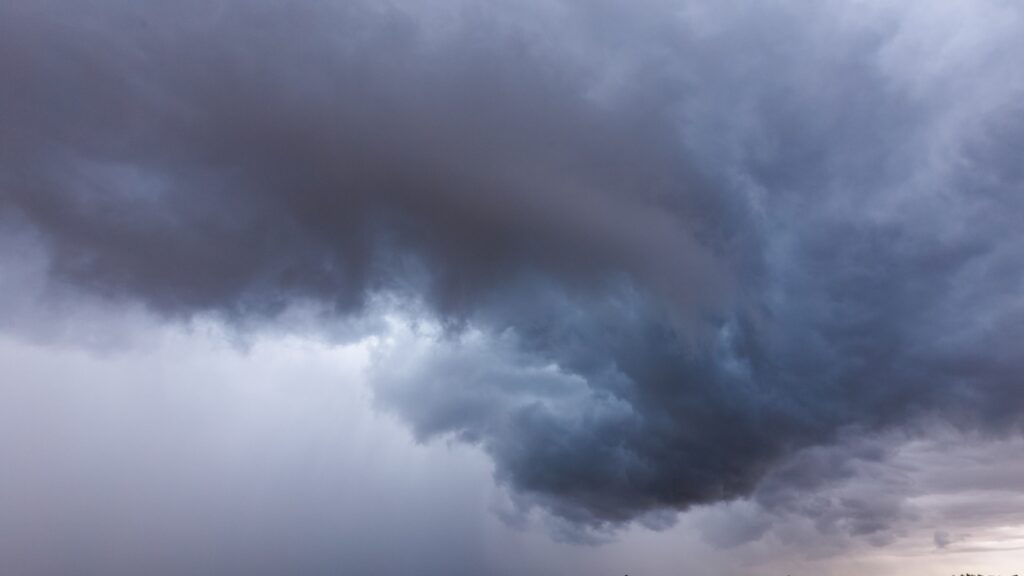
[[517, 287]]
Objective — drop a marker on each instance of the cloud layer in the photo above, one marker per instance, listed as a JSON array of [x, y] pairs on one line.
[[657, 249]]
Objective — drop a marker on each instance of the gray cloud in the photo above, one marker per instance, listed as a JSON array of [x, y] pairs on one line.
[[186, 455], [943, 496], [668, 245]]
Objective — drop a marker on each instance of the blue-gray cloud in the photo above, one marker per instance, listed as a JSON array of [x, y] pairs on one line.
[[694, 239]]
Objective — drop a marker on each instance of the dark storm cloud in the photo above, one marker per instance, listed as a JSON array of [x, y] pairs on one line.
[[670, 244], [278, 153]]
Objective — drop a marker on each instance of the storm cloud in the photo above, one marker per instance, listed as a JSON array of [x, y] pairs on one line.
[[651, 252]]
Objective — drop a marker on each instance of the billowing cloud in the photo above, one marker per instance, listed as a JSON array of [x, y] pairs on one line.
[[652, 252]]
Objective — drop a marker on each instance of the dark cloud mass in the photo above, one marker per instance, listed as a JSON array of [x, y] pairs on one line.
[[669, 244]]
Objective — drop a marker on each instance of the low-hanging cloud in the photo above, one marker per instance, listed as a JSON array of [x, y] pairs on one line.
[[665, 245]]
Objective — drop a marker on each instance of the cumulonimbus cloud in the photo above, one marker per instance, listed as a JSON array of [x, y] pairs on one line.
[[669, 244]]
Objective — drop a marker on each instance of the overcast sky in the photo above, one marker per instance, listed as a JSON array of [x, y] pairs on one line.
[[514, 287]]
